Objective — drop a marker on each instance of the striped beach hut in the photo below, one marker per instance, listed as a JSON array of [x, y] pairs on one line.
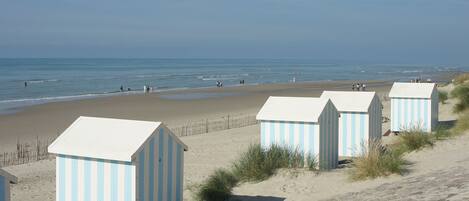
[[5, 180], [113, 159], [307, 124], [414, 105], [359, 121]]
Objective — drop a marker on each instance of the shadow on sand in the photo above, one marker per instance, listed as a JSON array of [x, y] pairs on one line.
[[255, 198]]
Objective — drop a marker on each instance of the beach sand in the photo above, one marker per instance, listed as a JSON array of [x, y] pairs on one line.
[[47, 121], [218, 149]]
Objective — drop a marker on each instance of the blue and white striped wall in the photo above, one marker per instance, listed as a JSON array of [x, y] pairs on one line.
[[357, 129], [4, 189], [297, 135], [155, 175], [353, 133], [413, 113], [160, 169], [318, 140], [90, 179]]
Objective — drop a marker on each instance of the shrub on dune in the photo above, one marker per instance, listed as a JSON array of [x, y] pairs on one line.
[[377, 161], [442, 133], [258, 164], [461, 78], [462, 94], [443, 96], [415, 139], [462, 124], [217, 187]]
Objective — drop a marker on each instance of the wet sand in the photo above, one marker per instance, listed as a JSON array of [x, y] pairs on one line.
[[48, 120]]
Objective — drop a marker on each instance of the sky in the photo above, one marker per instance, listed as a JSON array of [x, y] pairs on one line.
[[393, 31]]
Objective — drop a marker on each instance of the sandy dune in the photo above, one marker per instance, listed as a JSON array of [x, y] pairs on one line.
[[219, 149]]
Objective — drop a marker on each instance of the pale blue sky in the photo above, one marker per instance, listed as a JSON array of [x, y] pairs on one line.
[[397, 31]]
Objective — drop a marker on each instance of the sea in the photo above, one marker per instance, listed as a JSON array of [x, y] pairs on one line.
[[25, 82]]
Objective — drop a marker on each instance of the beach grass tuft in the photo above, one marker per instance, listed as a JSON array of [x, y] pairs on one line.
[[443, 96], [415, 139], [461, 92], [462, 124], [217, 187], [442, 132], [461, 78], [254, 165], [377, 161], [258, 164]]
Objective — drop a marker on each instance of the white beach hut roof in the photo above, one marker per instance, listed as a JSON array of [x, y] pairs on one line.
[[411, 90], [350, 101], [300, 109], [105, 138], [9, 177]]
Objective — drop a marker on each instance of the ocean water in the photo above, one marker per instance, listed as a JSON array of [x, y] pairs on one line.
[[67, 79]]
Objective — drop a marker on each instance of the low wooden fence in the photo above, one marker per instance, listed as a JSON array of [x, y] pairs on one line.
[[207, 125], [26, 152], [35, 151]]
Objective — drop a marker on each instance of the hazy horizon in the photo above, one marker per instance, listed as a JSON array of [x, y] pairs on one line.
[[397, 32]]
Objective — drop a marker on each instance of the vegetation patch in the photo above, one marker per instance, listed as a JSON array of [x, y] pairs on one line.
[[443, 133], [217, 187], [443, 96], [377, 161], [254, 165], [461, 92], [462, 124], [258, 164], [462, 78], [415, 139]]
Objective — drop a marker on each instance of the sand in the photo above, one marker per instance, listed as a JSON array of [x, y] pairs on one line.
[[47, 121], [218, 149]]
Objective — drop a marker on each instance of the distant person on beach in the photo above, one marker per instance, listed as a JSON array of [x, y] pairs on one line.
[[25, 84], [128, 89], [363, 87], [122, 88], [353, 87]]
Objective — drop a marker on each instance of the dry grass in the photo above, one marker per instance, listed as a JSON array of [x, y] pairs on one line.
[[256, 164], [462, 78], [461, 92], [415, 139], [462, 124], [376, 162]]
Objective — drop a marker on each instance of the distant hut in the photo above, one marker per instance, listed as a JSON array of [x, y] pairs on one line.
[[307, 124], [359, 121], [5, 180], [414, 105], [114, 159]]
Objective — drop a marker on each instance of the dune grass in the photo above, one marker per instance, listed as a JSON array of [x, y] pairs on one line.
[[462, 78], [462, 124], [461, 92], [443, 96], [415, 139], [254, 165], [442, 133], [258, 164], [217, 187], [377, 161]]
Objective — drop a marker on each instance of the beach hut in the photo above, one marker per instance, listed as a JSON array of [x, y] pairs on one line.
[[414, 105], [113, 159], [307, 124], [5, 180], [359, 121]]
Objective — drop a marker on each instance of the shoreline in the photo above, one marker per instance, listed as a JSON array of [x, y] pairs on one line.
[[12, 106], [46, 121]]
